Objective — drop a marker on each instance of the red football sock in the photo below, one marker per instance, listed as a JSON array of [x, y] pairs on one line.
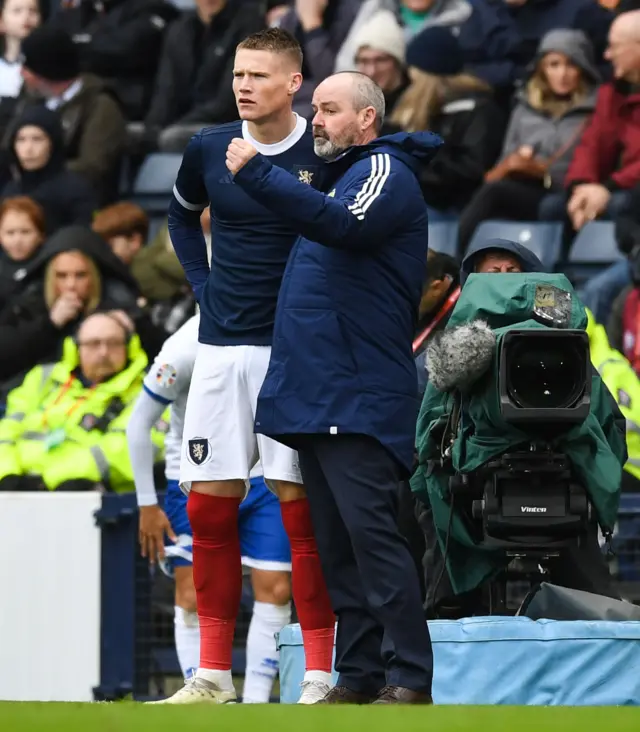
[[217, 574], [308, 587]]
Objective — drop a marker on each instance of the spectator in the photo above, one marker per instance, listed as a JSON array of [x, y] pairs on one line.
[[22, 232], [535, 18], [92, 122], [193, 84], [381, 54], [76, 275], [17, 19], [413, 16], [125, 227], [545, 127], [433, 94], [439, 296], [159, 274], [321, 27], [457, 106], [485, 31], [39, 171], [606, 162], [120, 40], [65, 425]]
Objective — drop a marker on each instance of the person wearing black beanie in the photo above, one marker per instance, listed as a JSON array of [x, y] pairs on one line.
[[436, 51], [51, 54], [456, 105], [94, 127]]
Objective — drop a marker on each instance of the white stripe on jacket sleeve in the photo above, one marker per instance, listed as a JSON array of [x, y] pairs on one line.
[[372, 188], [185, 204]]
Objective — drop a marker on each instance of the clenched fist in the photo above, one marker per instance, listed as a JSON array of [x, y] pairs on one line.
[[239, 153]]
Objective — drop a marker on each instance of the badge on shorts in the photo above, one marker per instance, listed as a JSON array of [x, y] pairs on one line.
[[198, 450]]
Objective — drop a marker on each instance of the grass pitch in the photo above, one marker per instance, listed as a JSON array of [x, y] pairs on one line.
[[132, 717]]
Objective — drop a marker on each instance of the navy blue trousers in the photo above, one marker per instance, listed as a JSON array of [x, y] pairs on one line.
[[382, 638]]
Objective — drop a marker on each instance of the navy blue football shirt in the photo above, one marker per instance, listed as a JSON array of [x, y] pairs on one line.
[[250, 245]]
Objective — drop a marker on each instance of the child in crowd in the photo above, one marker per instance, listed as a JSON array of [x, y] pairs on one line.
[[22, 232]]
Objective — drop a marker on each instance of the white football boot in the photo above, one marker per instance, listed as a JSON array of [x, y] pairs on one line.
[[200, 691], [315, 688]]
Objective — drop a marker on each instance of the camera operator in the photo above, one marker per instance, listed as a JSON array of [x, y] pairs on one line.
[[579, 567]]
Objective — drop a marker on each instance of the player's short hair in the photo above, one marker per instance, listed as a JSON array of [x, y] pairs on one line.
[[274, 40], [121, 219]]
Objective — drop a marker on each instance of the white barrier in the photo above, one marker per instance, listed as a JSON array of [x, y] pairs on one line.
[[49, 596]]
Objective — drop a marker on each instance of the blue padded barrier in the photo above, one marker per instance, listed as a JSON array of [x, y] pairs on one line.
[[506, 660]]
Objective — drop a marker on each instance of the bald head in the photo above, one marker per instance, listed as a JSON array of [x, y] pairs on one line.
[[348, 110], [627, 26], [624, 46]]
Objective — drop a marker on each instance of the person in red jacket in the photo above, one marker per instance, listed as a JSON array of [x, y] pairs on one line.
[[606, 163]]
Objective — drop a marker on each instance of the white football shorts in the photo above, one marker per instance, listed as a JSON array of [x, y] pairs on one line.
[[218, 440]]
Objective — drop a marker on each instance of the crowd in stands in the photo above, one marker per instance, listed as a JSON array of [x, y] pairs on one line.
[[538, 103]]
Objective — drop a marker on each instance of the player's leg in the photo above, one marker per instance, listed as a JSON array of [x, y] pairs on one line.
[[186, 625], [265, 548], [218, 449], [310, 596], [179, 565]]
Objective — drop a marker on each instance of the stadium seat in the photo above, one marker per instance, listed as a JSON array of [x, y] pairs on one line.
[[544, 239], [593, 249], [154, 182], [595, 244], [443, 237]]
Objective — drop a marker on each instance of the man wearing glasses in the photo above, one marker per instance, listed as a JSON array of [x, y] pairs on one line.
[[65, 425]]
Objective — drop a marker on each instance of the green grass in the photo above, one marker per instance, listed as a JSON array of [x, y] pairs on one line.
[[131, 717]]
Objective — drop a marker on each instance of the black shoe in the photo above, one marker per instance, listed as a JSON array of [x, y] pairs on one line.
[[401, 695], [344, 695]]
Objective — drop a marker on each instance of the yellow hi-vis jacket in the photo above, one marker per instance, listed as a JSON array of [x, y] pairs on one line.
[[59, 429], [623, 383]]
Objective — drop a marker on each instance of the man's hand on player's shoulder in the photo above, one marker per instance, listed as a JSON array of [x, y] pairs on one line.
[[239, 153], [153, 526]]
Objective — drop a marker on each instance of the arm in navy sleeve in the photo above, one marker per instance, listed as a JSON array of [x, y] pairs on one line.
[[362, 218], [189, 199]]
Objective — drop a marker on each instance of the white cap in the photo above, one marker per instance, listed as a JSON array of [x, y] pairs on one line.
[[382, 32]]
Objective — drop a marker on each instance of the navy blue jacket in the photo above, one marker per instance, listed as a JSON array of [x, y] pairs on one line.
[[342, 359], [528, 260]]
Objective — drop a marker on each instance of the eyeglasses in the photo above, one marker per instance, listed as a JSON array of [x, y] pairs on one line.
[[95, 343], [375, 61]]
